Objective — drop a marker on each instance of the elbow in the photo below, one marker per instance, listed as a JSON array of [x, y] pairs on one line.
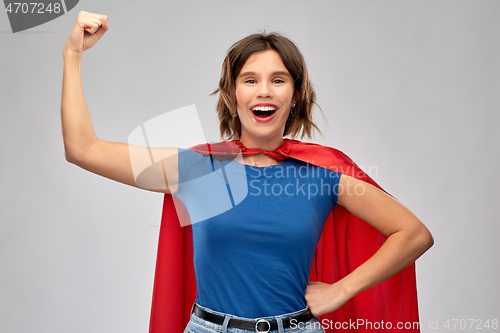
[[424, 239], [70, 157], [73, 156], [70, 150], [430, 241], [77, 154]]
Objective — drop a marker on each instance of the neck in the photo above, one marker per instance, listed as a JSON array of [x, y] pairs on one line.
[[261, 143]]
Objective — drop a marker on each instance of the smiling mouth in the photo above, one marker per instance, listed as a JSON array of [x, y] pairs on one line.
[[263, 111]]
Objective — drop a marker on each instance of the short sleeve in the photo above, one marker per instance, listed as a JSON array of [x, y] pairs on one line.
[[191, 165]]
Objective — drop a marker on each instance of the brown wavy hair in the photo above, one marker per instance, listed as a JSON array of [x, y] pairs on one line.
[[299, 125]]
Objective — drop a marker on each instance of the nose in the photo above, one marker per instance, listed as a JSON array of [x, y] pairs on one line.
[[265, 90]]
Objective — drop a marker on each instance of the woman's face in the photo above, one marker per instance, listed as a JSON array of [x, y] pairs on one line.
[[264, 93]]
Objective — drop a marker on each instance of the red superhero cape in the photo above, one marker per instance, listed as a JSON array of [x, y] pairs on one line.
[[346, 243]]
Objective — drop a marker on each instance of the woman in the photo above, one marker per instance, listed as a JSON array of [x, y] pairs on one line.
[[253, 259]]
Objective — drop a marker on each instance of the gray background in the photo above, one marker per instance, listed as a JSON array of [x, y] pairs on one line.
[[409, 88]]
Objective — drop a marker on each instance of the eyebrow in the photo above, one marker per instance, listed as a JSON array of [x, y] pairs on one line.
[[272, 74]]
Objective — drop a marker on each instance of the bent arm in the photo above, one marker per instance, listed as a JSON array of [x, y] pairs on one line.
[[108, 159], [407, 239]]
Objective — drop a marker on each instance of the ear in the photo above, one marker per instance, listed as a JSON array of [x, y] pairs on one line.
[[295, 97]]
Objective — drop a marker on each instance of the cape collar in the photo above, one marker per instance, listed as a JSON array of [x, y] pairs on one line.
[[227, 149]]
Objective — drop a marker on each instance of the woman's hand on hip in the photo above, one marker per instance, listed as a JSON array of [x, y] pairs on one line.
[[88, 29], [324, 298]]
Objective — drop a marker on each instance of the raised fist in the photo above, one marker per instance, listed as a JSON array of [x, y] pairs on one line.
[[88, 29]]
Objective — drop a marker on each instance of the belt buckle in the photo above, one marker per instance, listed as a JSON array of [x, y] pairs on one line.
[[262, 321]]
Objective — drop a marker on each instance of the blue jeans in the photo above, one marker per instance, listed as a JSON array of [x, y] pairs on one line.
[[198, 325]]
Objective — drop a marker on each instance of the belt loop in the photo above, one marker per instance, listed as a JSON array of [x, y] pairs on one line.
[[225, 323], [279, 321]]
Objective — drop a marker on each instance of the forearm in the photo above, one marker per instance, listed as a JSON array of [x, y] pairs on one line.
[[399, 251], [77, 129]]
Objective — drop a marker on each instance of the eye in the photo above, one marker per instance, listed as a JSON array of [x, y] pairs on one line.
[[250, 81], [278, 81]]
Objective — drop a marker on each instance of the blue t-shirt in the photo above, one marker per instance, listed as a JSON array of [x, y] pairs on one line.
[[253, 253]]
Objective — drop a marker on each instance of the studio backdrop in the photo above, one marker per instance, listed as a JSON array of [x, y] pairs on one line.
[[408, 89]]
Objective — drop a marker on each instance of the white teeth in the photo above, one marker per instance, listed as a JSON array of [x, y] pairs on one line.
[[264, 108]]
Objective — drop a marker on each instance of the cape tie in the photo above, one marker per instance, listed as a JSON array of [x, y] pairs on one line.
[[227, 149]]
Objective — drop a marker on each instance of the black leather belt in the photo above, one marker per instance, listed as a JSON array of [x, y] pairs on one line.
[[257, 325]]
